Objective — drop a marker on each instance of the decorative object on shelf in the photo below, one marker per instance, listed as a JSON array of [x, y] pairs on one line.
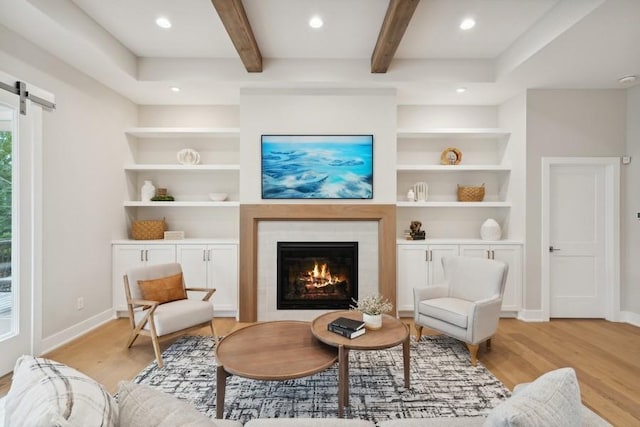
[[372, 308], [451, 156], [173, 235], [162, 196], [218, 197], [149, 229], [317, 166], [416, 233], [147, 191], [490, 230], [421, 191], [411, 195], [188, 156], [470, 194]]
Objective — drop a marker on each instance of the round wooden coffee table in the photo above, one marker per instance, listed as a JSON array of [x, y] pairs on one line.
[[270, 351], [392, 333]]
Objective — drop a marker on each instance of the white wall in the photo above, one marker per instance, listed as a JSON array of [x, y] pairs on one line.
[[318, 111], [573, 123], [630, 239], [83, 151]]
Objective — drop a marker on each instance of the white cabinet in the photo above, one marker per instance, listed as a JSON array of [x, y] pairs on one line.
[[128, 256], [483, 162], [205, 264], [212, 266], [512, 256], [154, 157], [419, 265]]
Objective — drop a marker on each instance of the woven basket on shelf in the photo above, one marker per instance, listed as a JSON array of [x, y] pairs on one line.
[[150, 229], [470, 194]]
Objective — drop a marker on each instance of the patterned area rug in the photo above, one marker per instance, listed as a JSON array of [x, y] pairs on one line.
[[443, 383]]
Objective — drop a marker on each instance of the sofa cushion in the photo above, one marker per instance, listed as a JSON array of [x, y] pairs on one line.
[[47, 393], [163, 289], [143, 406], [551, 400]]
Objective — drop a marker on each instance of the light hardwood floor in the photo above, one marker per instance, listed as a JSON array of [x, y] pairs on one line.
[[605, 355]]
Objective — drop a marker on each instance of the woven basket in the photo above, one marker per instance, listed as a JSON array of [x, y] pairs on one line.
[[151, 229], [470, 194]]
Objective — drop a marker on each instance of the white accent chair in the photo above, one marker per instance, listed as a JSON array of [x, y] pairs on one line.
[[467, 305], [164, 320]]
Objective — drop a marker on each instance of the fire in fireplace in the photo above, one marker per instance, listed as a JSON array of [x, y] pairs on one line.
[[317, 275]]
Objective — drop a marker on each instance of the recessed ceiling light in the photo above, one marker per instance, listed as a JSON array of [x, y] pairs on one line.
[[627, 80], [316, 22], [461, 89], [163, 22], [467, 24], [174, 89]]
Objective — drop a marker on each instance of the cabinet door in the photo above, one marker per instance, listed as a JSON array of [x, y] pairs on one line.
[[159, 254], [194, 262], [512, 255], [412, 272], [223, 275], [125, 257], [436, 253]]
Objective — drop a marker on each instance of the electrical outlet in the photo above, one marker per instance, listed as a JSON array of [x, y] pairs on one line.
[[80, 303]]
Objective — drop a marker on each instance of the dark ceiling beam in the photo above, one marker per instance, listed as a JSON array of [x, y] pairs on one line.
[[395, 23], [235, 21]]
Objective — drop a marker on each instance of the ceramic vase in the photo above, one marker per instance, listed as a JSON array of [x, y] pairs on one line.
[[490, 230], [372, 321], [147, 191], [411, 195]]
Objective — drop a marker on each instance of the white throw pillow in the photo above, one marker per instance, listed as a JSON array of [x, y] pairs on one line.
[[47, 393], [143, 406], [551, 400]]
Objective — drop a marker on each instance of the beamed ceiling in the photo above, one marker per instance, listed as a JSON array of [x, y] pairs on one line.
[[216, 48]]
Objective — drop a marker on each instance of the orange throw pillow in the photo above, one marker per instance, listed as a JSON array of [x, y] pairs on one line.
[[164, 289]]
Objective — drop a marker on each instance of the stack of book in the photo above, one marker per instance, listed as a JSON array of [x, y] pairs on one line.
[[348, 328]]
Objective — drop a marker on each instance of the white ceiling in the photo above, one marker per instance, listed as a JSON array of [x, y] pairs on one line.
[[516, 44]]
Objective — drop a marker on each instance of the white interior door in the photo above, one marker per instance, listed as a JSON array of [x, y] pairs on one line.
[[577, 280]]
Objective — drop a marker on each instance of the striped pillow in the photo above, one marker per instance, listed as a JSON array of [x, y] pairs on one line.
[[47, 393]]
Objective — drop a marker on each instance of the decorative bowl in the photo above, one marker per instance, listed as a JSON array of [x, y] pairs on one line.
[[218, 197]]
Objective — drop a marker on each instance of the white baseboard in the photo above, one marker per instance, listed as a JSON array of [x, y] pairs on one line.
[[58, 339], [531, 316], [630, 317]]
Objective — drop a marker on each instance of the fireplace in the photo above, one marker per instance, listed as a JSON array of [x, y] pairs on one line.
[[316, 275]]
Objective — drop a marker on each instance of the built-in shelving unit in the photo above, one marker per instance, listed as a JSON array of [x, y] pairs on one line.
[[484, 162], [154, 157]]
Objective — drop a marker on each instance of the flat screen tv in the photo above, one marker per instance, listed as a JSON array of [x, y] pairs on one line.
[[317, 166]]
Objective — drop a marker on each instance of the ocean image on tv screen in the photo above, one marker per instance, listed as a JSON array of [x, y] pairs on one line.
[[317, 167]]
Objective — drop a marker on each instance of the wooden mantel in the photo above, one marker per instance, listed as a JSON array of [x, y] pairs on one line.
[[251, 215]]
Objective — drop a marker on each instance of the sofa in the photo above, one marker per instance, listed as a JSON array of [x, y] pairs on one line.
[[47, 393]]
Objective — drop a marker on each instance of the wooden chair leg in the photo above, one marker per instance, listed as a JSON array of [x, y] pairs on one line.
[[489, 344], [418, 332], [156, 350], [216, 337], [473, 350], [132, 337]]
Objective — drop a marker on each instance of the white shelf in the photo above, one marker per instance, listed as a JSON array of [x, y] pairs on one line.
[[453, 133], [453, 204], [186, 204], [452, 169], [182, 132], [167, 167]]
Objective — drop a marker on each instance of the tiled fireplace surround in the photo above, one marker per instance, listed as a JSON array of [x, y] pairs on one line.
[[261, 225]]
